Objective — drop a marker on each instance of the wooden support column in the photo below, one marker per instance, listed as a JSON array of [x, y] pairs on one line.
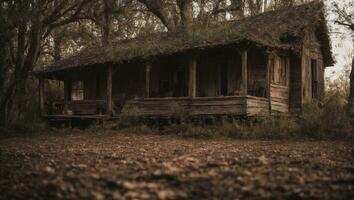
[[244, 56], [67, 91], [147, 79], [192, 86], [41, 96], [268, 82], [109, 100]]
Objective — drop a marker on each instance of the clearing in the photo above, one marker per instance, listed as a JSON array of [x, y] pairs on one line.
[[130, 166]]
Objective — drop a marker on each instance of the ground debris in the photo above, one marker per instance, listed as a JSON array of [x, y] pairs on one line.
[[125, 166]]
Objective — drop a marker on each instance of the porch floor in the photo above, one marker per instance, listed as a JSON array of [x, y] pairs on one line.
[[57, 117]]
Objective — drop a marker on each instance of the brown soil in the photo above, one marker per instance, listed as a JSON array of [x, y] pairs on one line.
[[126, 166]]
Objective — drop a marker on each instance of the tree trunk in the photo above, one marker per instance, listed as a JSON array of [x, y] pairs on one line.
[[4, 55], [239, 8], [157, 7], [106, 22], [186, 12], [351, 87]]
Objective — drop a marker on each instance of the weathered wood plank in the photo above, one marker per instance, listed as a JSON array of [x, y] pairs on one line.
[[244, 71], [147, 80], [257, 106], [192, 87], [186, 106], [268, 83]]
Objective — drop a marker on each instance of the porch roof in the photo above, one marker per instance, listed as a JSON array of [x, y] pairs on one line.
[[281, 29]]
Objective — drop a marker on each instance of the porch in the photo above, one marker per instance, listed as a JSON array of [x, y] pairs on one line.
[[230, 80]]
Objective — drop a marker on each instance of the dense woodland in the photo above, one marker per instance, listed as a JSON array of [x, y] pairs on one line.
[[37, 32]]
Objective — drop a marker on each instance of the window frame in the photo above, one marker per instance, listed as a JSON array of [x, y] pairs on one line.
[[78, 90]]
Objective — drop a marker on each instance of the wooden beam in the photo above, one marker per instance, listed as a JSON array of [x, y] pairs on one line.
[[41, 96], [147, 79], [192, 86], [109, 109], [288, 63], [268, 82], [67, 91], [244, 71]]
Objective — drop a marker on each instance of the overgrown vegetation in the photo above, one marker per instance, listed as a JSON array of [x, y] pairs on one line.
[[326, 119]]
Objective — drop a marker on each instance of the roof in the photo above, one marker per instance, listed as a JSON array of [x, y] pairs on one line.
[[271, 29]]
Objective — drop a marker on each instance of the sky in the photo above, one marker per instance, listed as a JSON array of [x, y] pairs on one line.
[[342, 44]]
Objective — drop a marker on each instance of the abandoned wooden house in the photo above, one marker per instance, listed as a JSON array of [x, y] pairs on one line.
[[270, 63]]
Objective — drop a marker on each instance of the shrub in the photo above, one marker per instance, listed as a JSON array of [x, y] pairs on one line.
[[327, 119], [274, 128], [234, 130]]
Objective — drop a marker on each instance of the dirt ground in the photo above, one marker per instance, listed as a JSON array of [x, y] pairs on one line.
[[130, 166]]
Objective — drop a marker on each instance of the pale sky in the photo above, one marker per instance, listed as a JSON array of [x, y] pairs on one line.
[[342, 44]]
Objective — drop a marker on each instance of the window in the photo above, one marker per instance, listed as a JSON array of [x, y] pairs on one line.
[[77, 91], [279, 71]]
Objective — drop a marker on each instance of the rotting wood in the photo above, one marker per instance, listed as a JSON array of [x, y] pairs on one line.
[[244, 71], [236, 105], [147, 79], [268, 87]]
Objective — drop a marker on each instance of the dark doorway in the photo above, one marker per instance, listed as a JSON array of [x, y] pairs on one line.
[[179, 84], [314, 81], [224, 80]]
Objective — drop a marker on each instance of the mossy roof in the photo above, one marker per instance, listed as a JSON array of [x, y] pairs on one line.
[[282, 29]]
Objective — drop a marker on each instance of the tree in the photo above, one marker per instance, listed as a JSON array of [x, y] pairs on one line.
[[345, 17], [182, 14], [28, 23], [4, 60]]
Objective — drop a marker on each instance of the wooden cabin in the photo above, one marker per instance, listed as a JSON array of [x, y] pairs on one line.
[[271, 63]]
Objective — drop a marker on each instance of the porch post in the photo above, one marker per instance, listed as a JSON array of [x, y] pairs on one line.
[[244, 71], [268, 82], [192, 86], [67, 88], [41, 96], [147, 79], [109, 109]]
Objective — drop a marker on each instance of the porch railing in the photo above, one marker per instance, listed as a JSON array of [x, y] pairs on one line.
[[85, 107]]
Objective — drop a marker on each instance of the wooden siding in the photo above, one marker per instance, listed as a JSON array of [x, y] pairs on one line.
[[279, 98], [233, 105], [311, 50], [280, 81], [257, 106]]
